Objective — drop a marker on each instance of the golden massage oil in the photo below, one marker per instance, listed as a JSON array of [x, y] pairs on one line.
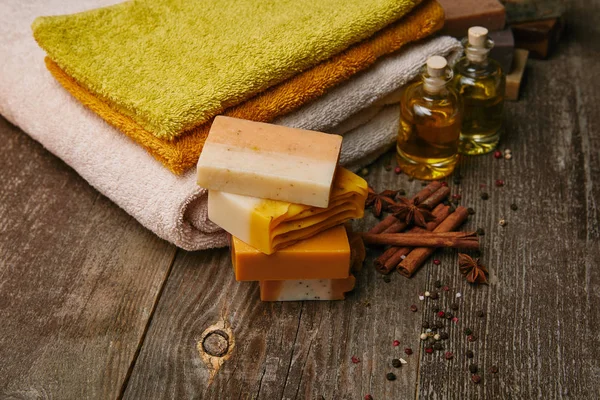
[[480, 82], [430, 121]]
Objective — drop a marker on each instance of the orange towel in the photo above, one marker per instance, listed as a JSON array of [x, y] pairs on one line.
[[182, 153]]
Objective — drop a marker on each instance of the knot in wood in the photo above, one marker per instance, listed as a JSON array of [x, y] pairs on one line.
[[216, 343]]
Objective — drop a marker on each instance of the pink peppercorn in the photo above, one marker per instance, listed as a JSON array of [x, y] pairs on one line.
[[408, 351], [497, 154], [499, 182], [446, 288], [444, 183], [441, 314], [396, 343], [437, 262], [449, 355], [368, 397], [429, 350], [355, 360], [456, 196], [397, 170]]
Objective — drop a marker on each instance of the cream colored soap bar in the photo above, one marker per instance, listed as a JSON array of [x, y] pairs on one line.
[[311, 289], [270, 225], [269, 161]]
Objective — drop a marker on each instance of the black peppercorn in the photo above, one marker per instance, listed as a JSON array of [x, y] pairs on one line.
[[468, 331], [471, 210], [470, 354], [435, 309], [473, 368], [438, 284], [413, 308], [454, 306], [476, 378], [480, 231], [434, 296], [396, 363], [494, 369], [387, 279], [449, 315], [438, 346], [514, 207], [390, 376], [444, 335], [480, 313], [425, 325], [484, 196]]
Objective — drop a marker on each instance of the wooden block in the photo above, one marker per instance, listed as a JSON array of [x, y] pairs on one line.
[[513, 80], [463, 14], [539, 37], [532, 10], [504, 48]]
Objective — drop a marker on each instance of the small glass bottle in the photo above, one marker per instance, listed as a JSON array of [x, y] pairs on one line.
[[480, 82], [430, 120]]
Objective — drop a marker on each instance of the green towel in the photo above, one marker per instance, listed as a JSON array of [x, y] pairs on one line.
[[172, 64]]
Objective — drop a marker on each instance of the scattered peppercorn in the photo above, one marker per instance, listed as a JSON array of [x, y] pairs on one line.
[[507, 156], [472, 338], [387, 279], [484, 196], [499, 182], [435, 309], [387, 167], [396, 363], [434, 296], [476, 378], [438, 347], [473, 368], [514, 207], [436, 336], [408, 351], [470, 354], [428, 350], [449, 315], [437, 262], [368, 397], [468, 331], [449, 355], [413, 308], [457, 196], [355, 360], [497, 154], [446, 288], [471, 210], [441, 314], [444, 183], [480, 231], [427, 294], [438, 284], [494, 369], [425, 325], [480, 313], [439, 325], [397, 170], [454, 306], [455, 320], [444, 335], [424, 336], [396, 343], [502, 222], [390, 376]]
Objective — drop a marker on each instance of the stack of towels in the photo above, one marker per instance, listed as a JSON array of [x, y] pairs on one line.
[[158, 72], [282, 196]]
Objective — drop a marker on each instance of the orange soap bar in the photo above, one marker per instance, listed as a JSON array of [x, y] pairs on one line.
[[312, 289], [323, 256], [463, 14]]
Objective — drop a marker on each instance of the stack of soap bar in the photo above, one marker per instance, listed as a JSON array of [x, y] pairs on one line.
[[270, 225], [539, 37], [463, 14], [504, 48], [532, 10], [269, 161], [513, 80]]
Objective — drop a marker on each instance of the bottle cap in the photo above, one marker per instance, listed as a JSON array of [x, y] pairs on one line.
[[436, 66], [478, 36]]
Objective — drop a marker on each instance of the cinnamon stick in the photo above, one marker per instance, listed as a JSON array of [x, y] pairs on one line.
[[417, 256], [391, 224], [436, 198], [458, 240], [393, 255]]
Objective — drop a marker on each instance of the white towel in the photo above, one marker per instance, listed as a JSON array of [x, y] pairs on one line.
[[172, 207]]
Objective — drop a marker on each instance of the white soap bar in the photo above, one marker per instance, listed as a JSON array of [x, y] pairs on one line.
[[269, 161], [306, 289]]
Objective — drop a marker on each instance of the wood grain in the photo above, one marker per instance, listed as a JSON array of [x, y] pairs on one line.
[[78, 279]]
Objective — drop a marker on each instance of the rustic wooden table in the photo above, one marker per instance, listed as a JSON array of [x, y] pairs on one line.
[[92, 305]]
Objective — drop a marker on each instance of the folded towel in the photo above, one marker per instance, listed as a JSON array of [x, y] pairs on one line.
[[182, 153], [170, 65], [171, 206]]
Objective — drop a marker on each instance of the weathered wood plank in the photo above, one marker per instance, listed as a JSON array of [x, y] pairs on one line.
[[78, 279]]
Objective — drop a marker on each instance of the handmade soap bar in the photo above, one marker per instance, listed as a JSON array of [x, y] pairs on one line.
[[532, 10], [463, 14], [299, 290], [269, 161], [326, 255], [513, 80], [270, 225], [504, 48], [539, 37]]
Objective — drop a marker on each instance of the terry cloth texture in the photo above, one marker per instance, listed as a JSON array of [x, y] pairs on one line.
[[170, 65], [173, 207], [182, 153]]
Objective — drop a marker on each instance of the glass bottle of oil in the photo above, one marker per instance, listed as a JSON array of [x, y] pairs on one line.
[[430, 120], [480, 82]]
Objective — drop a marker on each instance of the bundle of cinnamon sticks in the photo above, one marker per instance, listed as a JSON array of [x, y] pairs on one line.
[[409, 250]]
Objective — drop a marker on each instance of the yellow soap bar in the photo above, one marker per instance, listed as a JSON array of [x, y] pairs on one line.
[[326, 255], [300, 290], [271, 225]]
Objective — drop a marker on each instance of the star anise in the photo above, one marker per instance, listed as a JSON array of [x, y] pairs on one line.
[[380, 202], [472, 269], [410, 212]]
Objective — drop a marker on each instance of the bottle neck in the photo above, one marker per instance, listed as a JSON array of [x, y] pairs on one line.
[[477, 56]]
